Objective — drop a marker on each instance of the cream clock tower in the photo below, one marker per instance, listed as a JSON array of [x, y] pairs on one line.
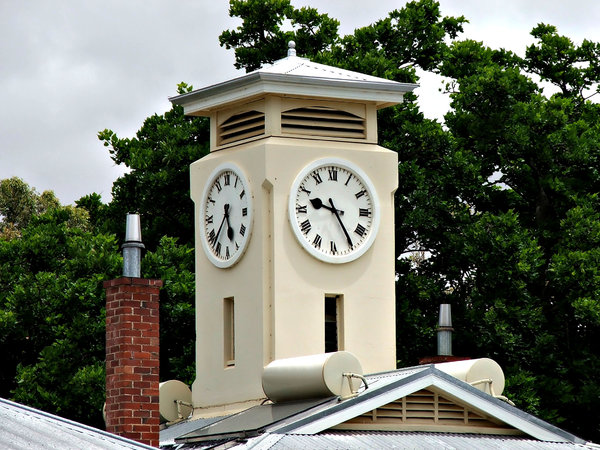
[[294, 225]]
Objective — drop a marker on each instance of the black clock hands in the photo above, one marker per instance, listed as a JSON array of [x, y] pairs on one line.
[[318, 204], [225, 217], [335, 211]]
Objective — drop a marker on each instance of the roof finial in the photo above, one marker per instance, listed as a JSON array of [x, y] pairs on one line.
[[291, 48]]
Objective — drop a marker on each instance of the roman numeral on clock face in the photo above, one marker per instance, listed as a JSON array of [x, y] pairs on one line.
[[305, 226], [317, 241], [360, 230], [317, 178]]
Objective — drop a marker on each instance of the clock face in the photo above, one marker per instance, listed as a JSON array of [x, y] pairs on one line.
[[225, 215], [333, 210]]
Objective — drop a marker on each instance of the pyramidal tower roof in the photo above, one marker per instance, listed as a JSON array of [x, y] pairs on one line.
[[295, 76]]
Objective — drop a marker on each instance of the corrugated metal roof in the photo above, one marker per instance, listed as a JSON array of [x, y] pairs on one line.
[[295, 65], [24, 427], [351, 440]]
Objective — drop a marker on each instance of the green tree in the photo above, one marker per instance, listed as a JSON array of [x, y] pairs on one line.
[[157, 184], [19, 203], [52, 314], [174, 264], [262, 39], [540, 314]]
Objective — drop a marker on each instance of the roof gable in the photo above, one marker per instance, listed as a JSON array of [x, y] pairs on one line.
[[387, 388]]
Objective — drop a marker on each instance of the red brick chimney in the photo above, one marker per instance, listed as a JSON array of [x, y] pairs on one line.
[[132, 358]]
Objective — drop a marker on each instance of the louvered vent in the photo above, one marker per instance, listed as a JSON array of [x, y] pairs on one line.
[[427, 410], [242, 126], [322, 121]]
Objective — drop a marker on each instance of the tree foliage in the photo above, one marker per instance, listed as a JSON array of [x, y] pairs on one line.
[[174, 264], [52, 313], [157, 183], [262, 39]]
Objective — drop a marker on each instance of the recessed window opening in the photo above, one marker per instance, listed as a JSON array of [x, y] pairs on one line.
[[229, 331], [334, 322]]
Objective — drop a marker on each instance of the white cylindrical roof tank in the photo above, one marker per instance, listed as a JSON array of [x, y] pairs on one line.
[[169, 392], [472, 370], [312, 376]]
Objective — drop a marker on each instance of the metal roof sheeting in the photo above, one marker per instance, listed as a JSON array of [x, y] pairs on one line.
[[350, 440], [24, 427]]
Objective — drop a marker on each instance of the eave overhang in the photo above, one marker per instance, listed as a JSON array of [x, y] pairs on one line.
[[258, 84]]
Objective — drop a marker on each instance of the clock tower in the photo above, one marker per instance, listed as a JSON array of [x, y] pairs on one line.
[[294, 222]]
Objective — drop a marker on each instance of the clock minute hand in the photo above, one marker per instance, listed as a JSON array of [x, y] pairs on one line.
[[318, 204], [335, 211]]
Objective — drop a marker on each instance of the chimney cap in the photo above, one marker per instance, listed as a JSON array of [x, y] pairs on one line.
[[133, 231]]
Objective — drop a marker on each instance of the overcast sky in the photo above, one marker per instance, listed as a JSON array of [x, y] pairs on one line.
[[70, 68]]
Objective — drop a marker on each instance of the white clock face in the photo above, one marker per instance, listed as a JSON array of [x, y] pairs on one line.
[[333, 210], [225, 215]]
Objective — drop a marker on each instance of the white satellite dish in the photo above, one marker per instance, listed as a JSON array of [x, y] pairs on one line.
[[175, 401]]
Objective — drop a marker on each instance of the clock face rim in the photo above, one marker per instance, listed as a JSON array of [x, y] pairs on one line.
[[215, 174], [371, 191]]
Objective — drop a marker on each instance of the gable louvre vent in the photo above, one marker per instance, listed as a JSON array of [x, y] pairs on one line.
[[425, 410], [242, 126], [323, 121]]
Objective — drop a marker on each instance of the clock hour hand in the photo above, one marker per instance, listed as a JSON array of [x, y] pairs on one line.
[[318, 204], [229, 227], [335, 211]]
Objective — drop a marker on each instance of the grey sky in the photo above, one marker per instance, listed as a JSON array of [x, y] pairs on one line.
[[70, 68]]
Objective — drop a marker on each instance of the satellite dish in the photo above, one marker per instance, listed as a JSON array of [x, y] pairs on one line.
[[175, 401]]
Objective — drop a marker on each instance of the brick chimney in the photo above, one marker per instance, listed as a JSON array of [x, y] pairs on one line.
[[132, 352], [132, 359]]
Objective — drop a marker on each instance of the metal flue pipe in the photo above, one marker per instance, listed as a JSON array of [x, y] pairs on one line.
[[132, 247], [444, 333]]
